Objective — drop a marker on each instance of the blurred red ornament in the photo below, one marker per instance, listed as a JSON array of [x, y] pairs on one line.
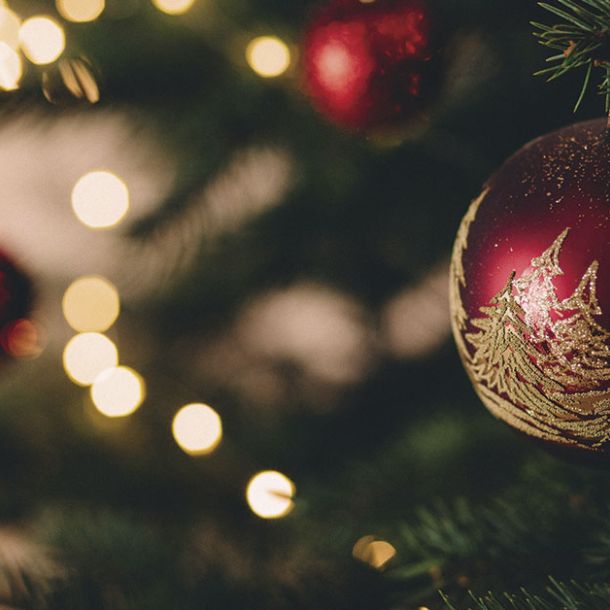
[[371, 63], [15, 304], [530, 290]]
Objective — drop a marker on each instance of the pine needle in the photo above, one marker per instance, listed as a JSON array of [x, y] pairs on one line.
[[583, 37], [567, 596]]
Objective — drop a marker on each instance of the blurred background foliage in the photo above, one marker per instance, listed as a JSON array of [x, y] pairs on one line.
[[291, 274]]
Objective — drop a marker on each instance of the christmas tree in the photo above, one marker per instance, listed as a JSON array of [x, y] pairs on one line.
[[228, 379]]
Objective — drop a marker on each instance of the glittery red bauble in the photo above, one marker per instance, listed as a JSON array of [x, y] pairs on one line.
[[371, 64], [530, 290], [15, 304]]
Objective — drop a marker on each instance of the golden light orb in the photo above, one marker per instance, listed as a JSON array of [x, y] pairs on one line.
[[11, 68], [10, 23], [80, 11], [87, 355], [42, 40], [268, 56], [118, 392], [91, 303], [197, 429], [377, 553], [173, 7], [100, 199], [269, 494]]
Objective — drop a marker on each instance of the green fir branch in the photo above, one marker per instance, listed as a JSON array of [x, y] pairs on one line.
[[571, 596], [511, 543], [519, 533], [583, 37]]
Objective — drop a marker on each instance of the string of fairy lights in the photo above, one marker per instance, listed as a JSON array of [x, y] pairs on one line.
[[41, 40], [91, 306], [100, 200]]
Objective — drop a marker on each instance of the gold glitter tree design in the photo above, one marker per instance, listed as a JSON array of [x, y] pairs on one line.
[[572, 348], [457, 276], [504, 358], [541, 359]]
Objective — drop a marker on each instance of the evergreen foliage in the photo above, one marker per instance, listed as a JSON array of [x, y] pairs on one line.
[[583, 39], [404, 450]]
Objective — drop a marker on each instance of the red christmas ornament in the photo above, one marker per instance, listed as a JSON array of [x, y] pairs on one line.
[[370, 63], [15, 302], [530, 290]]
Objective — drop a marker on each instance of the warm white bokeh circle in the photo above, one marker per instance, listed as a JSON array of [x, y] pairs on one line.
[[91, 303], [118, 392], [268, 56], [87, 355], [173, 7], [197, 429], [42, 39], [100, 199], [10, 23], [80, 11], [269, 494], [11, 68], [377, 553]]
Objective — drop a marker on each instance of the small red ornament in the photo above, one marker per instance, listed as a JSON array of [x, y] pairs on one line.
[[15, 304], [530, 290], [371, 63]]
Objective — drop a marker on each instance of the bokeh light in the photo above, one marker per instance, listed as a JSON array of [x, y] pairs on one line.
[[294, 324], [80, 11], [9, 27], [268, 56], [380, 553], [88, 354], [42, 40], [416, 321], [79, 80], [173, 7], [91, 303], [72, 80], [118, 392], [376, 553], [100, 199], [269, 494], [11, 68], [22, 339], [197, 429]]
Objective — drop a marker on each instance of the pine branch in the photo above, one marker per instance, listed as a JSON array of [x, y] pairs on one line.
[[112, 560], [511, 543], [572, 596], [583, 37], [520, 534]]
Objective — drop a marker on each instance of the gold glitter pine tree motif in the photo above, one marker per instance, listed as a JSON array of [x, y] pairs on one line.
[[459, 319], [504, 358], [572, 347], [537, 361]]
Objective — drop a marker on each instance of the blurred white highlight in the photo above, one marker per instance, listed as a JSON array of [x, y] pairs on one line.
[[415, 323]]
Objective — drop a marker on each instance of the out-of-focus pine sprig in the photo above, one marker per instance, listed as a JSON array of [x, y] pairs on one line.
[[572, 596], [583, 38]]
